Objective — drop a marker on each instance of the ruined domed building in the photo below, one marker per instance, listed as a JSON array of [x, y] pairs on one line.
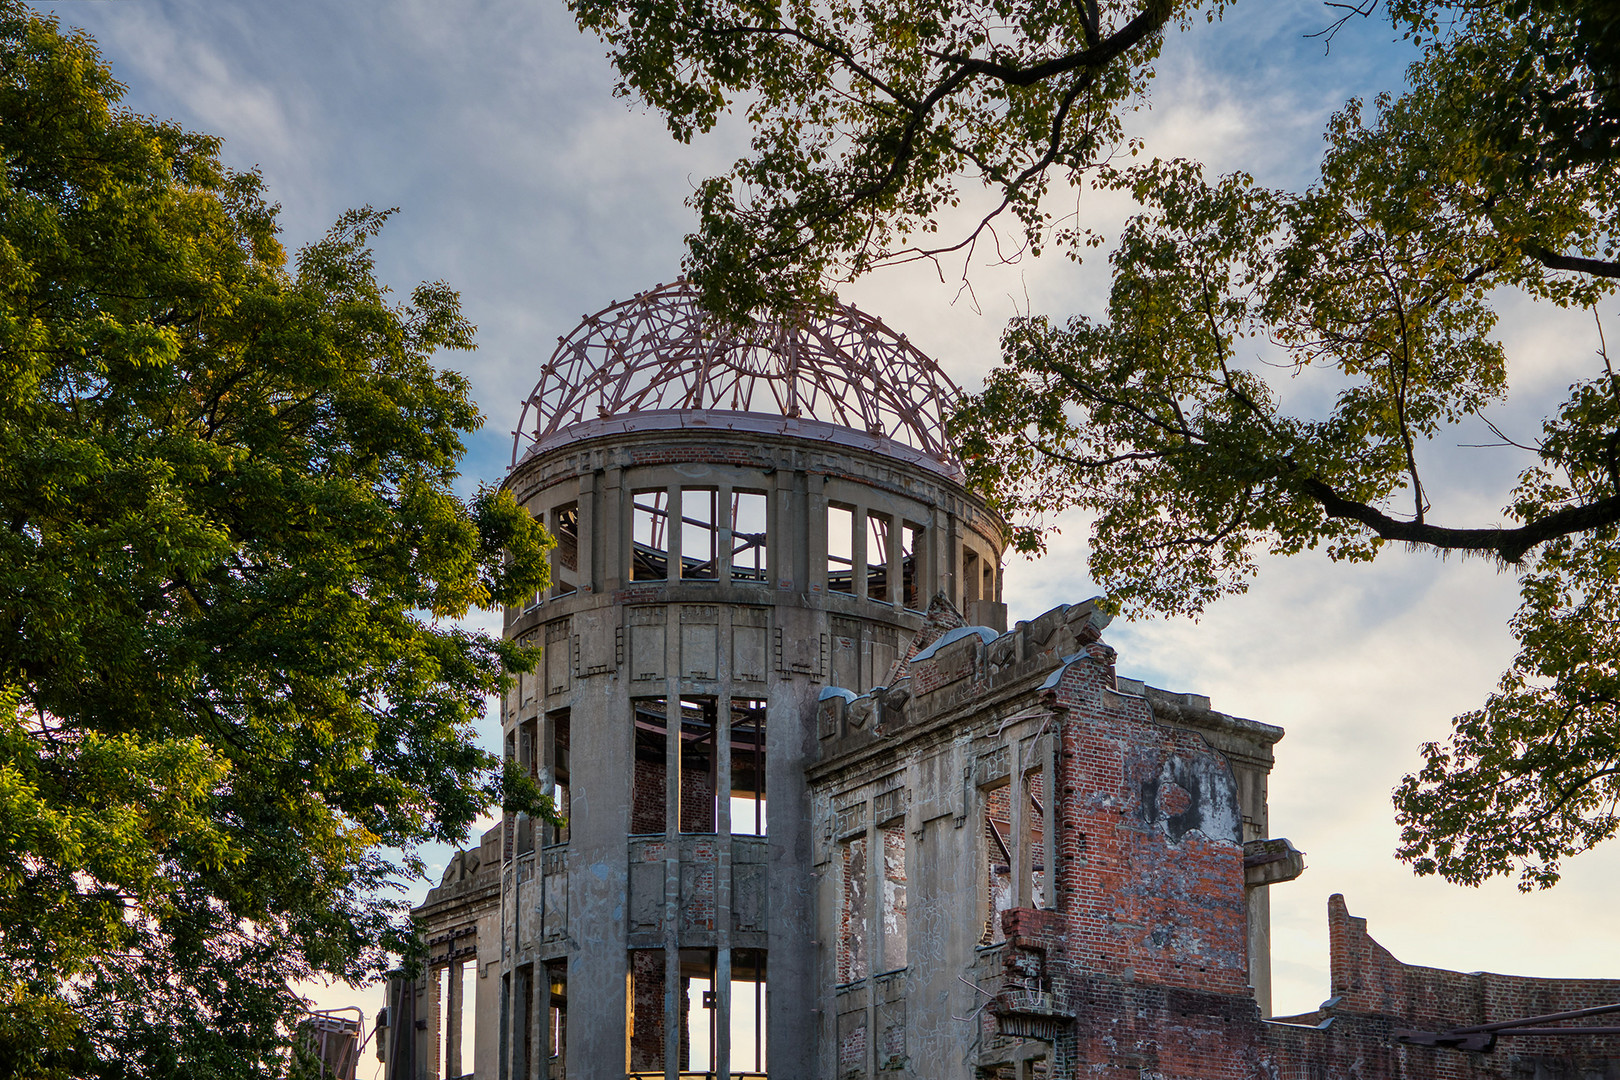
[[827, 817]]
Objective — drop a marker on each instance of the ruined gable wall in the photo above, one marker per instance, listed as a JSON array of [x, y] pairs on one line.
[[1151, 854]]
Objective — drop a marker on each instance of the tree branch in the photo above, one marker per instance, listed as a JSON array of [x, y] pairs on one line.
[[1147, 22], [1553, 261], [1510, 545]]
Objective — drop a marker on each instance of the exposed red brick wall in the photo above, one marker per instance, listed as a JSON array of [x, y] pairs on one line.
[[647, 1010], [1141, 969]]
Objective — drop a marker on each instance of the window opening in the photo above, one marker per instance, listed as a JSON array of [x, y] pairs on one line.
[[1034, 846], [561, 735], [646, 1019], [459, 1062], [894, 895], [748, 535], [649, 556], [528, 761], [441, 1033], [523, 1010], [648, 798], [526, 747], [748, 1012], [557, 979], [700, 534], [508, 819], [877, 558], [998, 862], [970, 576], [852, 912], [565, 556], [700, 1012], [989, 590], [747, 767], [910, 572], [840, 549], [699, 763]]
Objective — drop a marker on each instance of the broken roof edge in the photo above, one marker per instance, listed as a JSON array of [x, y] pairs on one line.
[[1194, 711], [986, 634]]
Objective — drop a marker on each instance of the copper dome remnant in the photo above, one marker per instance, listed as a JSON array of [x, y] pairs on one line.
[[661, 351]]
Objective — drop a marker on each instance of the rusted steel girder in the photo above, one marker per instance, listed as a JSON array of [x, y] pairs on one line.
[[1482, 1037]]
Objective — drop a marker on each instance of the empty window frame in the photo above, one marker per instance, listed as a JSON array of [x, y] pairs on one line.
[[700, 1013], [748, 536], [509, 819], [523, 1007], [852, 952], [911, 567], [646, 1015], [648, 796], [970, 576], [527, 747], [749, 1007], [528, 760], [998, 881], [877, 557], [988, 592], [557, 1033], [649, 535], [559, 734], [565, 556], [454, 1038], [747, 767], [1032, 849], [840, 549], [892, 915], [700, 534], [699, 766]]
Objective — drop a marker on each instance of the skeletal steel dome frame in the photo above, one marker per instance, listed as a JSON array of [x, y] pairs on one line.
[[662, 351]]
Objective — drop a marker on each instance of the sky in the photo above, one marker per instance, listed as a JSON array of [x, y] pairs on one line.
[[522, 181]]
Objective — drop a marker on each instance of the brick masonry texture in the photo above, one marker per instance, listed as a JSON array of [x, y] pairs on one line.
[[1147, 947], [1139, 970]]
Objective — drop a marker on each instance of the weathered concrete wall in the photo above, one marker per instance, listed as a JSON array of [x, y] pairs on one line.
[[625, 881]]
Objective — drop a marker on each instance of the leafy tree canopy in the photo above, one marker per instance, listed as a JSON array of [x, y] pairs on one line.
[[228, 545], [1493, 172]]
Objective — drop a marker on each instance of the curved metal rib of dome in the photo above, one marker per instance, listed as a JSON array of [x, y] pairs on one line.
[[661, 351]]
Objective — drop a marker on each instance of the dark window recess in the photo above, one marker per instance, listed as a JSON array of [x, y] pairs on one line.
[[524, 1007], [699, 766], [646, 1019], [1034, 847], [911, 545], [647, 795], [998, 862], [565, 556], [528, 760], [557, 978], [558, 723]]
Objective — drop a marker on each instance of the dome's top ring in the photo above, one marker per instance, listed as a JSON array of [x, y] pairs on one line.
[[661, 350]]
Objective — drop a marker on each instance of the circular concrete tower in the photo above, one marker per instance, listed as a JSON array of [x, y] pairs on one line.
[[742, 520]]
